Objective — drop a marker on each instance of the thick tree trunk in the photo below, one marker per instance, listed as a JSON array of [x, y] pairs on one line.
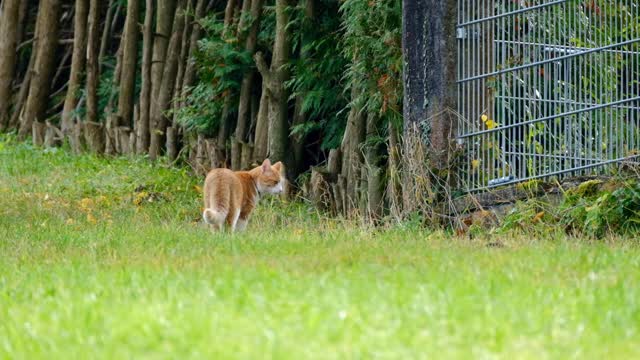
[[93, 75], [8, 38], [164, 22], [142, 143], [129, 65], [275, 77], [163, 101], [43, 68], [77, 65], [428, 42]]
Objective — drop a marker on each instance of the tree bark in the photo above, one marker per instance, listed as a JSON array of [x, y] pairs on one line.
[[246, 88], [164, 22], [429, 42], [106, 33], [299, 117], [77, 65], [166, 89], [41, 79], [196, 33], [275, 77], [129, 65], [8, 27], [24, 88], [93, 75], [261, 138], [142, 143]]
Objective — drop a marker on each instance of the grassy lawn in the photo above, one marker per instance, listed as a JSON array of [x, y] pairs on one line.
[[107, 259]]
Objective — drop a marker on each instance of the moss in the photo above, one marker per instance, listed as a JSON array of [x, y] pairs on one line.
[[586, 189]]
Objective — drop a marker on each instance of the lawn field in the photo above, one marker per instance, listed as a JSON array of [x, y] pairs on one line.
[[107, 259]]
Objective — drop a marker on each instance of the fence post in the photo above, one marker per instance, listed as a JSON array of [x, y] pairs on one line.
[[429, 57]]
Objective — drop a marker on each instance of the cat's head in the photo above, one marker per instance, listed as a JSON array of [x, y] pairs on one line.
[[270, 179]]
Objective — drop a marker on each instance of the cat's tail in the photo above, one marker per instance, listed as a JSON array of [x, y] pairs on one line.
[[213, 217]]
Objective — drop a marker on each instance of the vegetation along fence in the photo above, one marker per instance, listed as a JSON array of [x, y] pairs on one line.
[[546, 88]]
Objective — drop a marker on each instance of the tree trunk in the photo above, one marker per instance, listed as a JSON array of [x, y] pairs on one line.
[[129, 64], [261, 138], [77, 65], [142, 144], [41, 79], [275, 77], [354, 135], [373, 194], [190, 70], [164, 22], [299, 117], [428, 42], [106, 33], [246, 88], [24, 88], [163, 102], [93, 75], [8, 26]]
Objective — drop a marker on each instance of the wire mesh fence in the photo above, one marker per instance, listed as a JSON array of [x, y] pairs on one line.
[[546, 88]]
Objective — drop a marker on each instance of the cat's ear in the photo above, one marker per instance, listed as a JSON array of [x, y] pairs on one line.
[[266, 165], [278, 166]]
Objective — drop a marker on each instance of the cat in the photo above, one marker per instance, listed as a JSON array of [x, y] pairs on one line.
[[230, 196]]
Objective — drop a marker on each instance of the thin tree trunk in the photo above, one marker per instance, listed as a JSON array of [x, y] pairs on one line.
[[244, 106], [142, 144], [77, 65], [8, 38], [166, 89], [111, 121], [93, 75], [24, 88], [261, 138], [189, 73], [129, 64], [41, 79], [22, 21], [225, 126], [299, 117], [106, 33]]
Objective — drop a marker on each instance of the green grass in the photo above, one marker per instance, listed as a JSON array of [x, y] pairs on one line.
[[105, 258]]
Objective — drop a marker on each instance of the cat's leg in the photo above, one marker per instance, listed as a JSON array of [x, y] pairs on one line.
[[241, 224], [233, 220]]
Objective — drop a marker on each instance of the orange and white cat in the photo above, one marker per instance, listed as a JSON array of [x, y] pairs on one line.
[[230, 196]]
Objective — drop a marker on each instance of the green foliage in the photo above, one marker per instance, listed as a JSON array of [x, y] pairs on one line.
[[596, 211], [594, 208], [317, 74], [373, 44], [221, 62]]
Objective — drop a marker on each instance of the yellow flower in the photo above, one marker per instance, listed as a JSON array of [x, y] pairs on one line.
[[484, 118], [475, 163], [91, 218], [490, 124]]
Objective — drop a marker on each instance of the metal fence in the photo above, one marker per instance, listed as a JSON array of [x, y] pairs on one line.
[[546, 88]]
